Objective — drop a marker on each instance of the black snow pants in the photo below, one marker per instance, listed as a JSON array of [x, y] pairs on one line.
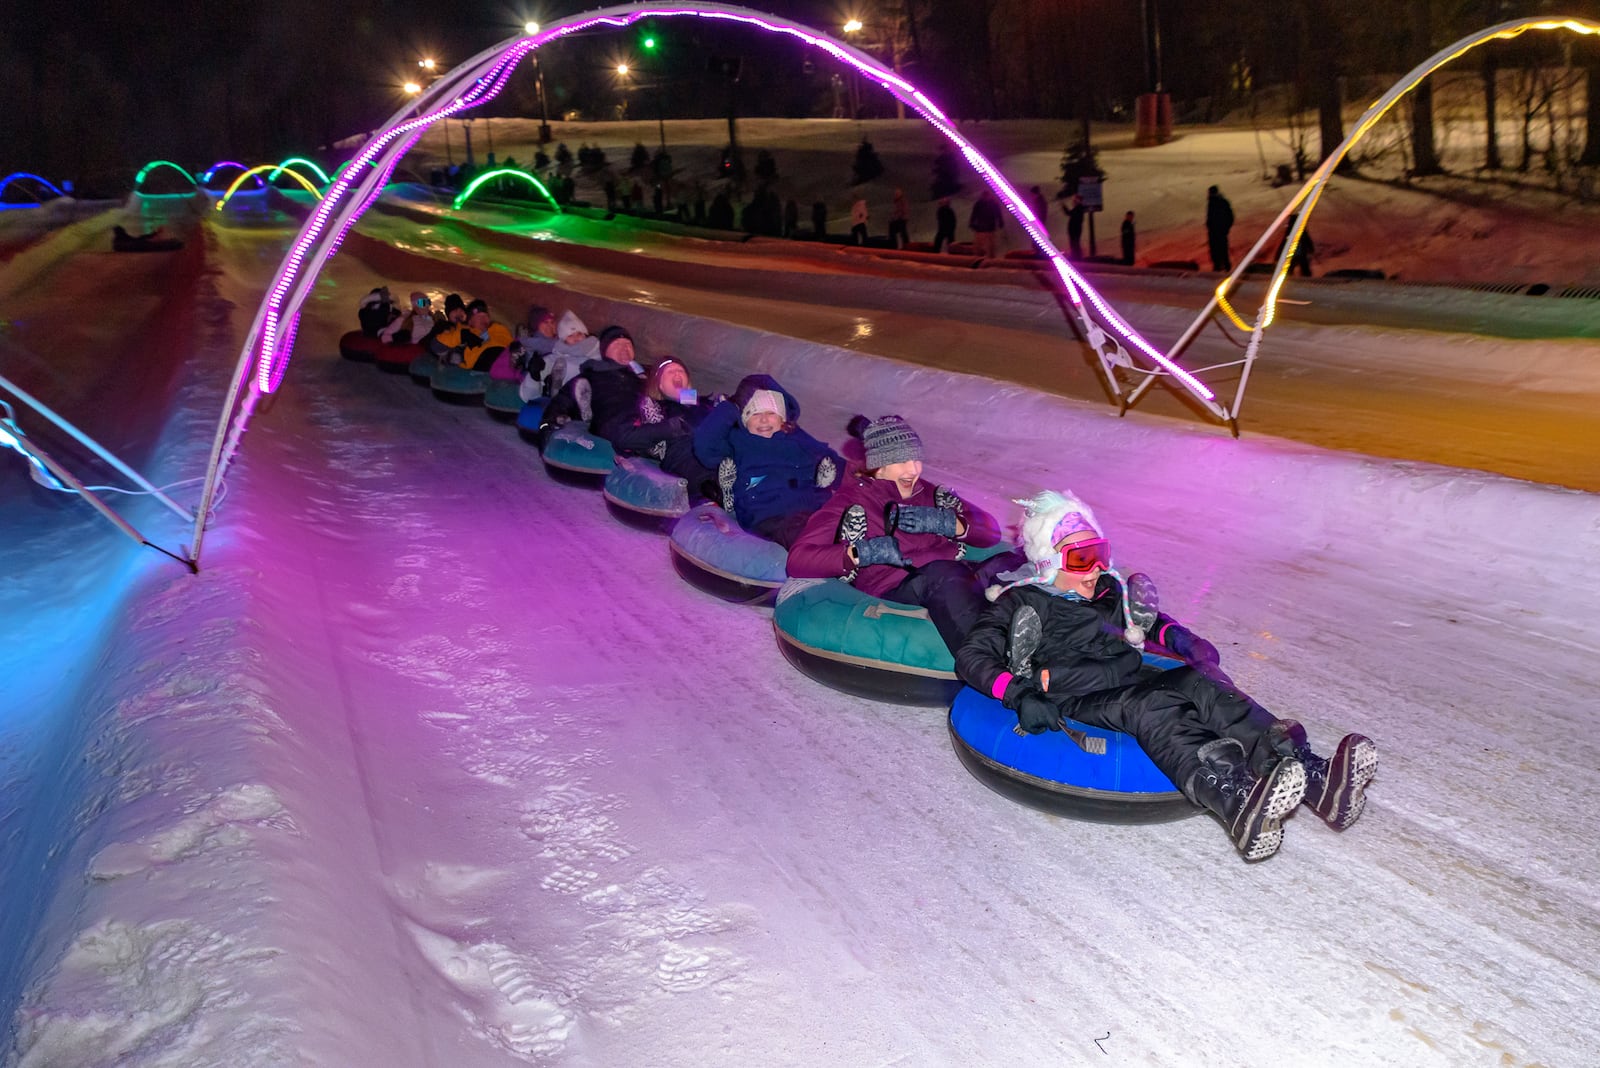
[[952, 592], [1171, 713]]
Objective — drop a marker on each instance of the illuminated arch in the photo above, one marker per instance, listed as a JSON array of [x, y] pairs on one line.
[[211, 171], [322, 175], [479, 79], [20, 175], [1305, 201], [157, 164], [275, 168], [505, 172]]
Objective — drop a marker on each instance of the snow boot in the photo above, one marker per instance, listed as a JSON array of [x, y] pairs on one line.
[[1251, 809], [727, 476], [1336, 787], [852, 529], [1144, 601], [1026, 631], [583, 394]]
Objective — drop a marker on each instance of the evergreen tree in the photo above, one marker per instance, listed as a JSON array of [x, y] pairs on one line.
[[867, 165], [640, 158], [766, 167], [1078, 161]]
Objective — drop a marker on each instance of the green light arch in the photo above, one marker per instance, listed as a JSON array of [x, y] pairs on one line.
[[505, 172]]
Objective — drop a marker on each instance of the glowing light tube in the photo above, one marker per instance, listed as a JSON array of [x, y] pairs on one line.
[[505, 172], [322, 176], [253, 172], [157, 164], [16, 176]]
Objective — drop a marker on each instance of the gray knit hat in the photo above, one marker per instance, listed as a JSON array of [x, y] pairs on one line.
[[890, 440]]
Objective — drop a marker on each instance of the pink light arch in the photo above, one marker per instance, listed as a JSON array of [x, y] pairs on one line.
[[266, 351]]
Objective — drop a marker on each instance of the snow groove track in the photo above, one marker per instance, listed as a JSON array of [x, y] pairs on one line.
[[513, 793]]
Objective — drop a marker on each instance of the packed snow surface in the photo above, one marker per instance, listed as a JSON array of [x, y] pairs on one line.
[[435, 763]]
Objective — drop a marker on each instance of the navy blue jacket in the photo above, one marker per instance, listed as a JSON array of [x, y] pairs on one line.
[[777, 475]]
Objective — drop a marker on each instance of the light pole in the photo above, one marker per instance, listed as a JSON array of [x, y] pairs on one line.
[[531, 28], [855, 26]]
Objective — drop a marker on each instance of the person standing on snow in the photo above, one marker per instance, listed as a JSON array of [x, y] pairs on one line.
[[1063, 639], [984, 222], [858, 221], [900, 220], [1128, 239], [945, 225], [1219, 220], [1077, 211]]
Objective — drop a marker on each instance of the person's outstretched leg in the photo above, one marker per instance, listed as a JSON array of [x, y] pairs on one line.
[[1250, 809], [1336, 786]]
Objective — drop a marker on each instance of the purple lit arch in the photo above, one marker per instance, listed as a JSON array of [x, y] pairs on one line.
[[481, 78]]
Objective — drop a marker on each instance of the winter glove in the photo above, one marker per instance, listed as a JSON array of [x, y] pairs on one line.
[[650, 410], [1035, 714], [1189, 645], [827, 472], [920, 519], [880, 550]]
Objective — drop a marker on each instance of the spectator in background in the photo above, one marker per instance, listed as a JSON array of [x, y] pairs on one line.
[[985, 223], [1302, 251], [1040, 206], [819, 218], [945, 225], [858, 221], [1219, 220], [900, 220], [1076, 212], [1128, 237]]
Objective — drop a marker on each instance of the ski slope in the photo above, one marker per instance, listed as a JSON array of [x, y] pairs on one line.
[[436, 763]]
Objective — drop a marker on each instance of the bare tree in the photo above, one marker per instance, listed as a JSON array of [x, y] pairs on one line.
[[1424, 156]]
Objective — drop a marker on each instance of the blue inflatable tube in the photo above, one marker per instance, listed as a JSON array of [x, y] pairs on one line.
[[422, 368], [1084, 772], [529, 418], [711, 552]]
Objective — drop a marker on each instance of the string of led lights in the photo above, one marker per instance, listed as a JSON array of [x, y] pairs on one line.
[[506, 172]]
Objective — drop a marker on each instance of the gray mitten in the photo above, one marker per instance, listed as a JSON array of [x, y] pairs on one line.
[[880, 550]]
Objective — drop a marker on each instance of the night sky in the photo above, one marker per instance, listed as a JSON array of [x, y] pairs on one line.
[[97, 89]]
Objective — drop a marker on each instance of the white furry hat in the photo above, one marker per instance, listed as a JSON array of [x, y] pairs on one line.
[[1048, 517]]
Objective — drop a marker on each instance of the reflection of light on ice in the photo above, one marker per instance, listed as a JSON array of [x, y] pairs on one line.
[[863, 330]]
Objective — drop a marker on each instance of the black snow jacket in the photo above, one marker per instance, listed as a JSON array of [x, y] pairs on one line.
[[1082, 645]]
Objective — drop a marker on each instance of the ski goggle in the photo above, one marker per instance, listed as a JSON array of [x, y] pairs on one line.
[[1084, 556]]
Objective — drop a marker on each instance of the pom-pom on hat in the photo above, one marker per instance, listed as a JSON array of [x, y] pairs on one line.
[[764, 400], [889, 440], [570, 324]]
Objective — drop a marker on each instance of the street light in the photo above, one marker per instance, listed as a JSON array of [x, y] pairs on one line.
[[426, 64], [854, 26], [412, 88], [531, 28]]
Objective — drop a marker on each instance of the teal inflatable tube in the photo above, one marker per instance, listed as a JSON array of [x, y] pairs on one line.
[[642, 495], [575, 456], [457, 385], [421, 369], [713, 553], [503, 399], [873, 648], [1084, 772]]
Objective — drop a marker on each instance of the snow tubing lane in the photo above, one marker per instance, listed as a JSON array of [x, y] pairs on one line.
[[864, 645], [576, 457], [1051, 772], [712, 553], [458, 385], [358, 346], [396, 359], [503, 399], [529, 418], [421, 369]]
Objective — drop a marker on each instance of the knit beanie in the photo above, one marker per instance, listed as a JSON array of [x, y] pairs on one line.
[[890, 440], [454, 301], [1048, 518], [764, 400], [610, 334], [570, 324]]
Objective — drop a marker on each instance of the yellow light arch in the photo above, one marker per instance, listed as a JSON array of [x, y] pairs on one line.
[[237, 182]]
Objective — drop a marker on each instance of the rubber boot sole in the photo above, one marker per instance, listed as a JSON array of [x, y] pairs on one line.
[[1257, 829], [1350, 769]]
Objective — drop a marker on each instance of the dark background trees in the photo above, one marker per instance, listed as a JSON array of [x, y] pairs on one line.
[[97, 89]]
